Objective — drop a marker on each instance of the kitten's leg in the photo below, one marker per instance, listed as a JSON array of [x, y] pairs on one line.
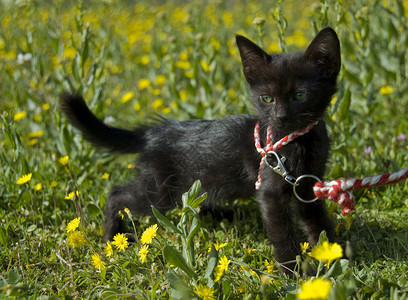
[[276, 214], [137, 200], [315, 219]]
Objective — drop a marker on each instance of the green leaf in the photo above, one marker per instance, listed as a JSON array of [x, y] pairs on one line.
[[195, 226], [192, 193], [196, 202], [345, 105], [164, 221], [339, 267], [175, 258], [3, 236], [212, 262], [179, 288], [93, 209]]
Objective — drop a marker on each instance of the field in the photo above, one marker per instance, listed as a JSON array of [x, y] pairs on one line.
[[139, 61]]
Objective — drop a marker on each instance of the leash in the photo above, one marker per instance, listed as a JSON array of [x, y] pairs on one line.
[[338, 190], [270, 150], [335, 190]]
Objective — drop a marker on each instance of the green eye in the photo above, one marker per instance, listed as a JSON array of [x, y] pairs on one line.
[[300, 96], [266, 99]]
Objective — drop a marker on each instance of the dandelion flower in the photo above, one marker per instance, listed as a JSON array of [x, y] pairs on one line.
[[149, 234], [252, 272], [206, 67], [315, 289], [76, 239], [127, 211], [36, 134], [19, 116], [143, 83], [269, 266], [327, 252], [25, 178], [38, 186], [386, 90], [97, 262], [45, 106], [120, 242], [64, 160], [71, 195], [105, 176], [53, 184], [221, 267], [217, 246], [126, 97], [157, 103], [304, 247], [108, 249], [160, 80], [121, 214], [205, 292], [73, 225], [143, 253]]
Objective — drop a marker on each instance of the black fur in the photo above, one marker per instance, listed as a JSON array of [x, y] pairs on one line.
[[221, 153]]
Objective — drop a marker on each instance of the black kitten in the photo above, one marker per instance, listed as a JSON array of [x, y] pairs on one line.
[[289, 91]]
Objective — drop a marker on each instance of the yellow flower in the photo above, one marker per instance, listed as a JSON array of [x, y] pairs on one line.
[[160, 80], [250, 250], [206, 67], [25, 178], [45, 106], [145, 60], [157, 103], [131, 166], [108, 249], [269, 266], [386, 90], [143, 253], [149, 234], [137, 107], [71, 195], [217, 246], [53, 184], [121, 214], [64, 160], [120, 242], [127, 211], [143, 83], [205, 292], [73, 225], [184, 65], [304, 247], [327, 252], [36, 134], [252, 272], [38, 186], [20, 115], [76, 239], [97, 262], [315, 289], [221, 267], [126, 97], [105, 176]]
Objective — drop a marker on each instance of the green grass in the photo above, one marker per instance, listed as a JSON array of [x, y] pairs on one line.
[[138, 62]]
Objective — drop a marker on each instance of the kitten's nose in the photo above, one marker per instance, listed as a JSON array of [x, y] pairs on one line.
[[282, 117]]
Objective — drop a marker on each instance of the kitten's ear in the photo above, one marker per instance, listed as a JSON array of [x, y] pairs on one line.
[[324, 52], [252, 57]]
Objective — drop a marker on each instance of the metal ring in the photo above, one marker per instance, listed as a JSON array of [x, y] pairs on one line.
[[297, 183]]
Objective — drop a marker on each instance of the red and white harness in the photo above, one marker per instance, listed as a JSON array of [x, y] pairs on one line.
[[336, 190]]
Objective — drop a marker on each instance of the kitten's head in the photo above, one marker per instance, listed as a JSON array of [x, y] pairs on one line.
[[291, 90]]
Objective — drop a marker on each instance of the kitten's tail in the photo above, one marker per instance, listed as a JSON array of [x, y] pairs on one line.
[[98, 133]]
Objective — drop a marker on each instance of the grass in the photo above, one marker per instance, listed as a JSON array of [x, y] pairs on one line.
[[138, 62]]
